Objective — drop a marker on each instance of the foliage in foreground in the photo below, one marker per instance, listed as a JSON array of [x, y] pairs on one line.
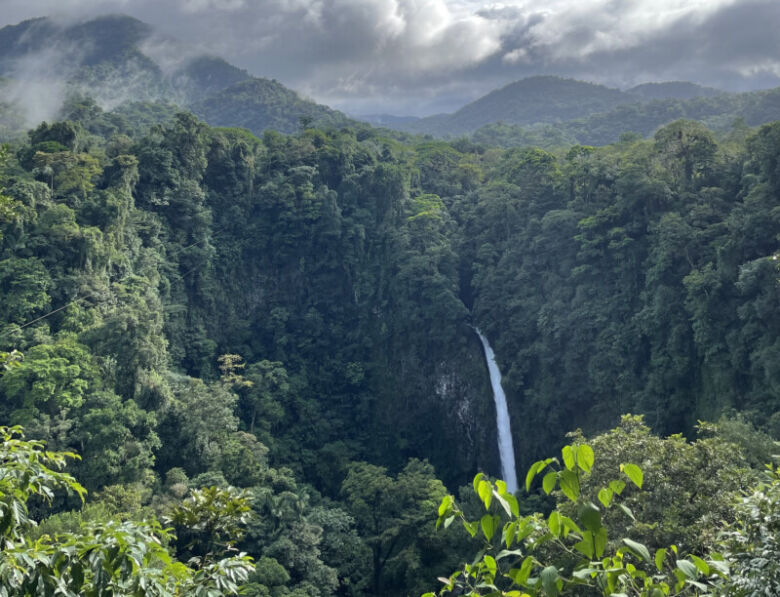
[[753, 543], [528, 556], [112, 557]]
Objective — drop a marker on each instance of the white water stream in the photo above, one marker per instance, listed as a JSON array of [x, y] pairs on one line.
[[506, 449]]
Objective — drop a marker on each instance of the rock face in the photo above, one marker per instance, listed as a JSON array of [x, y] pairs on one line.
[[462, 390], [443, 406]]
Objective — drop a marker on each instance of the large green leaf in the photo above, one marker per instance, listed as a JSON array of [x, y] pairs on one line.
[[549, 578], [570, 485], [536, 468], [490, 564], [520, 575], [637, 548], [568, 457], [485, 491], [590, 517], [605, 496], [586, 547], [554, 523], [489, 524], [660, 556], [549, 481], [688, 569], [634, 473], [585, 457], [600, 541]]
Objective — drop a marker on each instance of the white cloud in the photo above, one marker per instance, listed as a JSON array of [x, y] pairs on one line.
[[194, 6], [38, 83]]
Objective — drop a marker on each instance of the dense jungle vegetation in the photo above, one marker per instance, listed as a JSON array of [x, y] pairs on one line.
[[265, 344]]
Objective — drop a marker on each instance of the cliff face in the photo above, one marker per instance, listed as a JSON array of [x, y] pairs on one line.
[[440, 407]]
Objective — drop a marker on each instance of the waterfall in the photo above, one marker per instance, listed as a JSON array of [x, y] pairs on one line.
[[505, 448]]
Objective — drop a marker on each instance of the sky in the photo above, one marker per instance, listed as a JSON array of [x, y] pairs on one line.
[[420, 57]]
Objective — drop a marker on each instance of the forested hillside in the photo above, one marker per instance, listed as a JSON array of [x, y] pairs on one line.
[[721, 113], [291, 315], [259, 104], [526, 102], [553, 113], [119, 61], [673, 90]]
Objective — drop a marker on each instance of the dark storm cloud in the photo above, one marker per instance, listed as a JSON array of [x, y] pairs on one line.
[[736, 47], [733, 47], [414, 56]]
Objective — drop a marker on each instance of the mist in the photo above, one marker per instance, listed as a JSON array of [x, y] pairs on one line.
[[37, 83]]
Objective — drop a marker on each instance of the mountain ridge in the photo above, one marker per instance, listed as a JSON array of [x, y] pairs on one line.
[[673, 90], [531, 100], [118, 59]]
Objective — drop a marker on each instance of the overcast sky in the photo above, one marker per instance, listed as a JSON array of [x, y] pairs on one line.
[[425, 56]]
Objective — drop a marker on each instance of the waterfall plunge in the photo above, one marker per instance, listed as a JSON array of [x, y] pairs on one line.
[[505, 448]]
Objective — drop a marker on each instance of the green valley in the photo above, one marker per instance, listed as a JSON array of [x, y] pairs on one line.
[[238, 347]]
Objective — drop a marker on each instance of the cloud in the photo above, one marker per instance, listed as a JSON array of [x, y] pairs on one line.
[[733, 45], [418, 56], [195, 6], [37, 84]]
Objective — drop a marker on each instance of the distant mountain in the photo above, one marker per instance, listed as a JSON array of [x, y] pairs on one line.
[[388, 120], [721, 113], [539, 99], [118, 60], [532, 100], [259, 104], [555, 112], [672, 90], [100, 40], [125, 66], [209, 74]]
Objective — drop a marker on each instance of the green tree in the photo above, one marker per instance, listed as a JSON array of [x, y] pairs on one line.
[[209, 523], [117, 439], [690, 484], [287, 535], [266, 394], [528, 556], [116, 558], [8, 207], [343, 549], [752, 542], [199, 420], [391, 517], [24, 284], [687, 151], [50, 379]]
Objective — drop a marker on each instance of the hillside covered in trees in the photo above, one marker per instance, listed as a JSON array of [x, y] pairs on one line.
[[190, 307], [121, 62]]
